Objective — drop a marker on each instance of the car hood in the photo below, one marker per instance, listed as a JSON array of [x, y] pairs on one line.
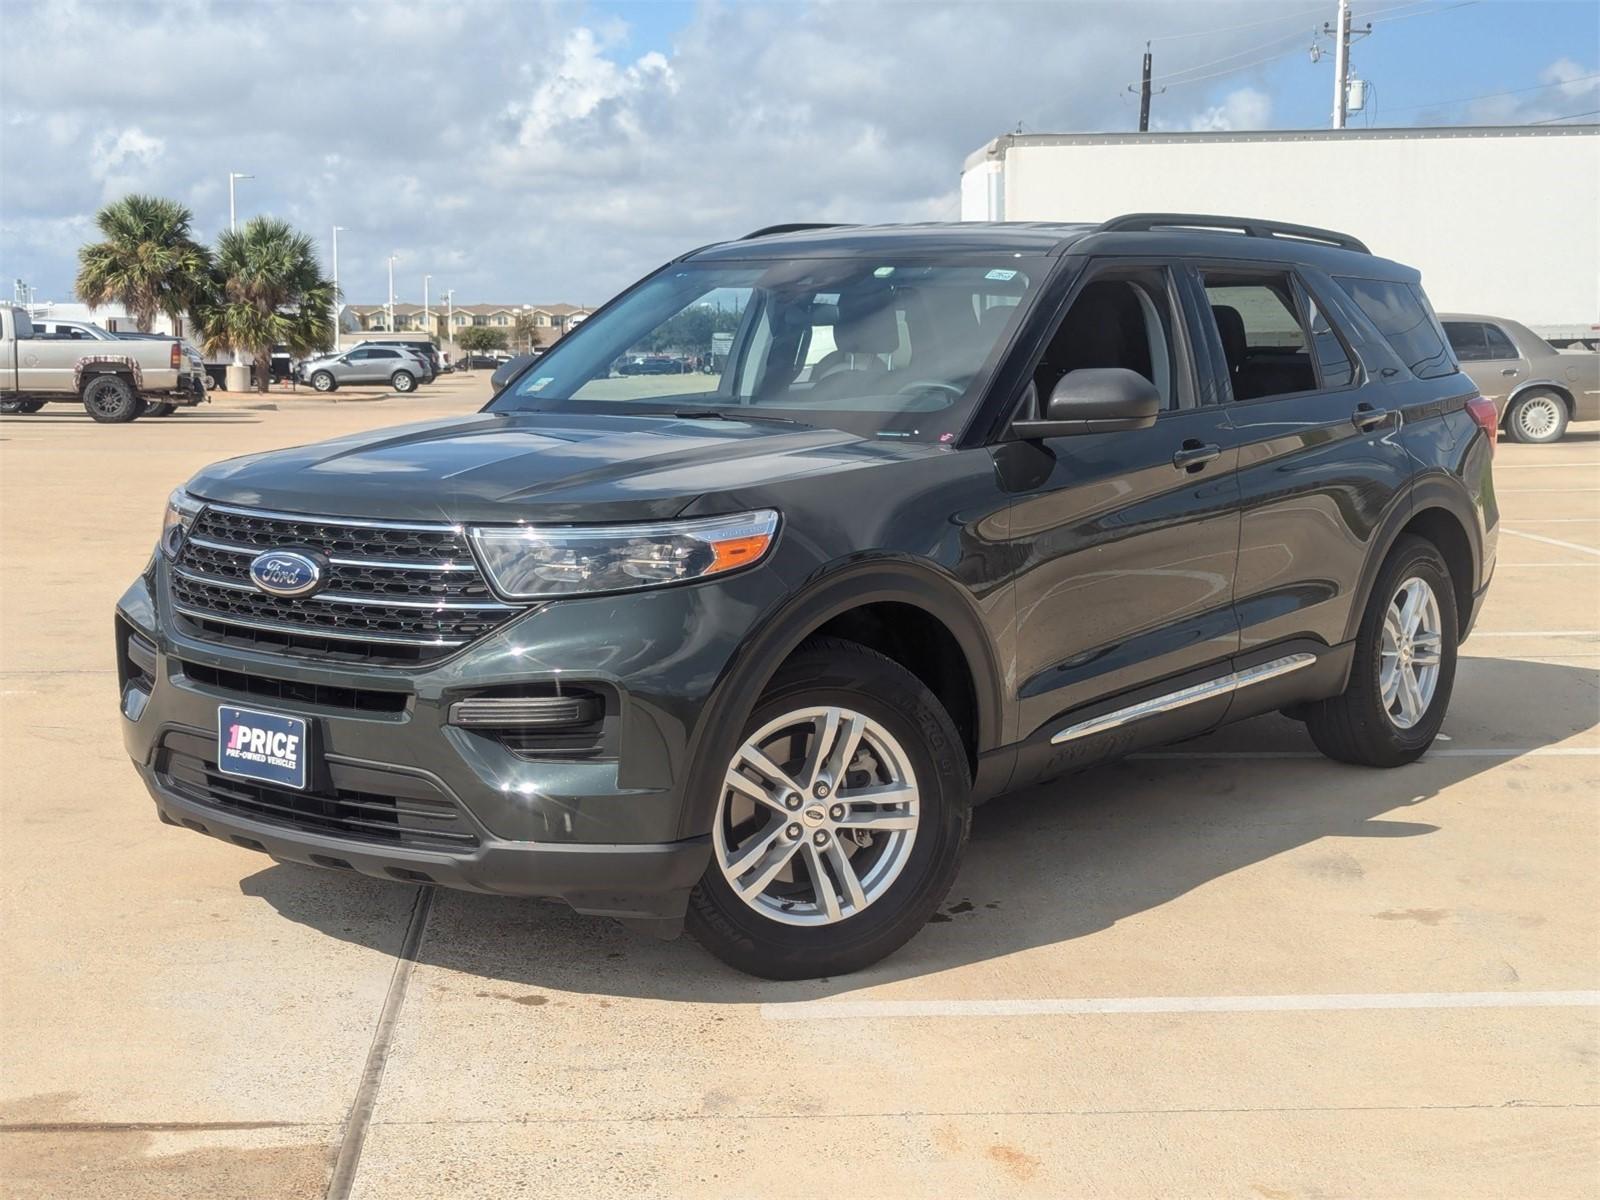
[[499, 467]]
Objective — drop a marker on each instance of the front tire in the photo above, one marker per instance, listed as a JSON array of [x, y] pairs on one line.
[[111, 400], [842, 819], [403, 381], [324, 381], [1537, 417], [1404, 665]]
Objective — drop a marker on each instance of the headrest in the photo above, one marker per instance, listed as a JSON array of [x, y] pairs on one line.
[[1230, 327], [867, 323]]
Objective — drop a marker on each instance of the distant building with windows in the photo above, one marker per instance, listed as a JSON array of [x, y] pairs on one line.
[[549, 321]]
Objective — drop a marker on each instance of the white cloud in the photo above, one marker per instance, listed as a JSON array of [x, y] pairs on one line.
[[546, 151], [1247, 108], [1573, 89]]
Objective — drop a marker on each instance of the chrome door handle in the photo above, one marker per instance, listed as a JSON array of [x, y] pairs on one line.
[[1367, 417], [1195, 455], [1508, 371]]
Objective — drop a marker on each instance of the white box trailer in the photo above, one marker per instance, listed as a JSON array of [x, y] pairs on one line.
[[1499, 219]]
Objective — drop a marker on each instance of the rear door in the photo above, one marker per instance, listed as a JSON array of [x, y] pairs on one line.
[[1320, 465], [1127, 541], [1489, 358]]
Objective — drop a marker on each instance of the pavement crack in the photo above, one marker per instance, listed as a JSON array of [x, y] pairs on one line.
[[354, 1135]]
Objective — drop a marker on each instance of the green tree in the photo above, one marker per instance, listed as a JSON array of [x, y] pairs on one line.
[[267, 289], [522, 326], [477, 338], [149, 261]]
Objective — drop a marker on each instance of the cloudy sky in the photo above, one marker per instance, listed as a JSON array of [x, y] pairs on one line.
[[523, 151]]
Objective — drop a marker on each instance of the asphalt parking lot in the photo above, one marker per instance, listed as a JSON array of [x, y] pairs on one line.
[[1229, 969]]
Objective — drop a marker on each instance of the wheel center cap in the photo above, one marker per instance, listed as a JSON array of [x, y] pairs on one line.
[[815, 815]]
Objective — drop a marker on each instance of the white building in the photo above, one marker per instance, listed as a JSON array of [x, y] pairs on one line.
[[1499, 219]]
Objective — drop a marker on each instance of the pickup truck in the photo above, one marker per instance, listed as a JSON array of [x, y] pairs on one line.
[[116, 380]]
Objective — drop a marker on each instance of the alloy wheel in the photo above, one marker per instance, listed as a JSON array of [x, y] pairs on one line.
[[1413, 641], [818, 815]]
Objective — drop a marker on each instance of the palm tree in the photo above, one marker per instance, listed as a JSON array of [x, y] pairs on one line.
[[267, 289], [149, 262]]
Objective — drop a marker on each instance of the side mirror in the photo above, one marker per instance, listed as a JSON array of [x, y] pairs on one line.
[[1095, 400]]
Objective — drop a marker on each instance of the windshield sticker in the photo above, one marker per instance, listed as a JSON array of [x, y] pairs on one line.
[[1001, 275], [541, 383], [883, 272]]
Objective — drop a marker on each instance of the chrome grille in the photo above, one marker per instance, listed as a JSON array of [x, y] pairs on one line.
[[395, 591]]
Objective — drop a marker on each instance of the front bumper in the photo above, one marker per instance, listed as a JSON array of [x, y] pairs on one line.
[[631, 882], [605, 831]]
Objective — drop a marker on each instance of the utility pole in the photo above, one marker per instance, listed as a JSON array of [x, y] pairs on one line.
[[1144, 92], [336, 329], [1342, 36], [389, 314], [427, 317]]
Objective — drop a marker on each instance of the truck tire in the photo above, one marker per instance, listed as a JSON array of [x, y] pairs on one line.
[[323, 381], [163, 409], [1537, 417], [403, 381], [1404, 665], [15, 407], [111, 400], [808, 875]]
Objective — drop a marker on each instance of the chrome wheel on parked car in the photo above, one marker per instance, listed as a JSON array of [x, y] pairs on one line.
[[1537, 417], [818, 816], [1413, 636]]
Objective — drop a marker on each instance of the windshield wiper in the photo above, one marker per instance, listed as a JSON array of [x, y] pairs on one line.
[[718, 414]]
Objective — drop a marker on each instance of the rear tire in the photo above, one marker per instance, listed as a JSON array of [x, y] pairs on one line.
[[1537, 417], [885, 863], [1400, 679], [403, 381], [162, 409], [111, 400]]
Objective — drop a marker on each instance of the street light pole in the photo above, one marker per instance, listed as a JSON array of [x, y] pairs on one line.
[[233, 224], [337, 330], [390, 306], [427, 317], [450, 321]]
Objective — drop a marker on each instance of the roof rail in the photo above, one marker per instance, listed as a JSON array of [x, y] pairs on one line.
[[792, 227], [1251, 226]]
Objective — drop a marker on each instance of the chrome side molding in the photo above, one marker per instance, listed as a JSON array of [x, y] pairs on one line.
[[1183, 697]]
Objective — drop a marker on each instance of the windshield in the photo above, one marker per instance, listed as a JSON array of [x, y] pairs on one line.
[[878, 347]]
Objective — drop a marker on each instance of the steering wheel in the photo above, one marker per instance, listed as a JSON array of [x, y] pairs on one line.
[[930, 385]]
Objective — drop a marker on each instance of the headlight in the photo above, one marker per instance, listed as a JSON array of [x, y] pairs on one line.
[[531, 562], [181, 511]]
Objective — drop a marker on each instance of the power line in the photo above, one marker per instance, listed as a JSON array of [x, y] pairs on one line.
[[1279, 19], [1226, 57], [1235, 69], [1538, 87], [1432, 12], [1568, 117]]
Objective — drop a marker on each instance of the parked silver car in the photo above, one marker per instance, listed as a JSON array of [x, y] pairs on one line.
[[1536, 388], [399, 368]]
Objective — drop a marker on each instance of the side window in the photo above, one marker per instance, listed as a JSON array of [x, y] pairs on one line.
[[1500, 346], [1121, 320], [1267, 348], [1406, 322], [383, 354], [1467, 339], [1334, 368], [359, 355]]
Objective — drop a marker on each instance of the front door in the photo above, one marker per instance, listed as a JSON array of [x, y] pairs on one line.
[[1127, 541]]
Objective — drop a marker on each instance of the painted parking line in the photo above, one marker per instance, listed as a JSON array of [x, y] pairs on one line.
[[1535, 633], [1500, 562], [1550, 541], [1436, 752], [1543, 466], [856, 1010]]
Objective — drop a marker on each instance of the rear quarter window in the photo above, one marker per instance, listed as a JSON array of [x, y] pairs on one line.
[[1404, 317]]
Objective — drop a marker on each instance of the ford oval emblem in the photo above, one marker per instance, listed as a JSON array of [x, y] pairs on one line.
[[286, 573]]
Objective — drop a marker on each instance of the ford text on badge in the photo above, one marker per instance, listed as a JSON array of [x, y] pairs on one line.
[[261, 746]]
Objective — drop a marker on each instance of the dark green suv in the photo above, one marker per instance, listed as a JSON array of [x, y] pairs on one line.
[[945, 510]]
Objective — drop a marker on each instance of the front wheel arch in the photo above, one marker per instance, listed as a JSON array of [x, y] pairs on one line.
[[802, 618]]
